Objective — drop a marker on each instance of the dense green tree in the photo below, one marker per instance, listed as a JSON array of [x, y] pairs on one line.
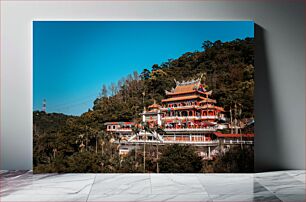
[[155, 67], [180, 159], [145, 74], [235, 160], [206, 45]]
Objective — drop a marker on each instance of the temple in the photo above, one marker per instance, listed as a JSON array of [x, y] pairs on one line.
[[191, 100], [187, 115]]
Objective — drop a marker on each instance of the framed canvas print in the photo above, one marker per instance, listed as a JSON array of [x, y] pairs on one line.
[[143, 96]]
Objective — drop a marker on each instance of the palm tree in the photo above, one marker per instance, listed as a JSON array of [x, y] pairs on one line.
[[136, 131], [146, 129], [158, 130]]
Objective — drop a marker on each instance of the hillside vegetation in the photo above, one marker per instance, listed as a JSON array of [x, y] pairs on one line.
[[62, 143]]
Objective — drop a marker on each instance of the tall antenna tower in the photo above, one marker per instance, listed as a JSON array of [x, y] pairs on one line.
[[44, 105]]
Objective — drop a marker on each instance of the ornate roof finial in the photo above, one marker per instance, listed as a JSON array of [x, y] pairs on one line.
[[202, 77], [176, 82]]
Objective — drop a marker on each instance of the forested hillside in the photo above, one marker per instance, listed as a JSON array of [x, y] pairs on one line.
[[63, 143], [227, 69]]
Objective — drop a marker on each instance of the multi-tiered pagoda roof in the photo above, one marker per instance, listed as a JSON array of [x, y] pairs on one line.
[[193, 94]]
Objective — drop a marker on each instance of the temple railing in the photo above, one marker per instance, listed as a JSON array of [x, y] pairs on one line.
[[124, 129], [209, 106], [180, 107], [120, 130], [237, 142], [212, 142], [189, 117], [189, 129], [192, 142], [209, 142]]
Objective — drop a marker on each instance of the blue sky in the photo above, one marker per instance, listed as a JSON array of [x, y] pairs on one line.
[[73, 59]]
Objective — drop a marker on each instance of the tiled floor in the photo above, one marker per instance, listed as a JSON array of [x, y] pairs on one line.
[[270, 186]]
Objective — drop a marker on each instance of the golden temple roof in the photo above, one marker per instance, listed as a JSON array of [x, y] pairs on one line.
[[190, 97], [185, 89]]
